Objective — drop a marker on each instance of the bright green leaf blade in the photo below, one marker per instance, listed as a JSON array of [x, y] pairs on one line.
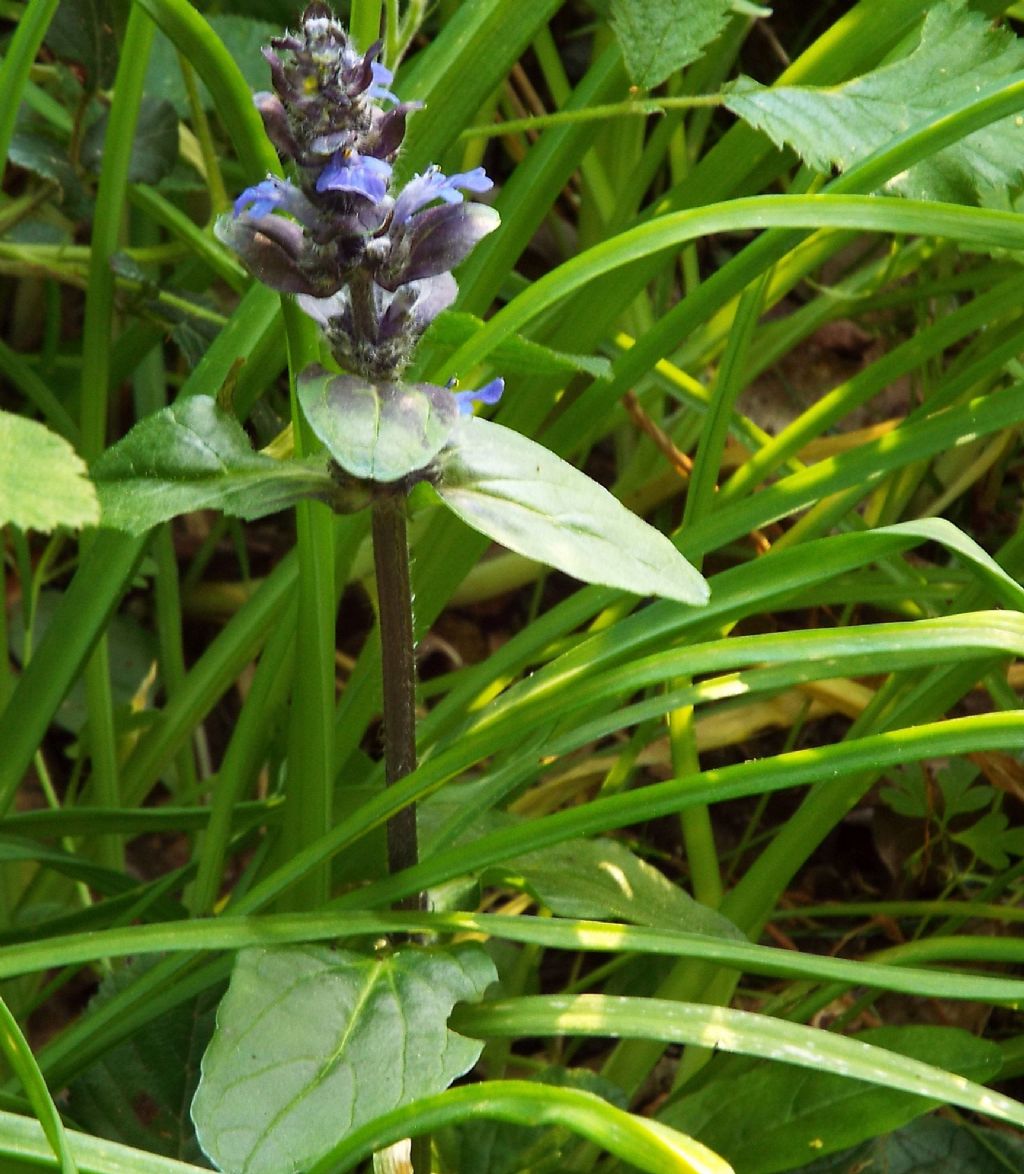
[[645, 1144], [659, 37], [191, 456], [22, 1141], [323, 1041], [513, 355], [523, 496], [227, 933], [765, 1117], [377, 431], [43, 481], [493, 1146], [890, 974], [18, 1055], [973, 226], [731, 1031], [840, 125]]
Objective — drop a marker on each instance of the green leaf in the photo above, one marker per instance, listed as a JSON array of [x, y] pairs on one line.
[[514, 355], [498, 1147], [602, 880], [659, 37], [138, 1092], [523, 496], [23, 1146], [377, 431], [192, 456], [82, 31], [764, 1117], [18, 1055], [312, 1043], [644, 1144], [154, 148], [589, 879], [910, 796], [34, 147], [838, 126], [727, 1030], [991, 841], [105, 880], [959, 794], [133, 652], [930, 1145], [243, 37], [43, 481]]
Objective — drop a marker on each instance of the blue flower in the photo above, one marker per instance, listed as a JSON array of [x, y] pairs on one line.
[[271, 193], [359, 175], [434, 185], [382, 78], [340, 236], [490, 393]]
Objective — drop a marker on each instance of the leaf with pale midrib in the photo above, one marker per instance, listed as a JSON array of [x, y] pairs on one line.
[[311, 1043], [192, 456], [521, 495]]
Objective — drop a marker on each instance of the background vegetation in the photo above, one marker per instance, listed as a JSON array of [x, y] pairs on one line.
[[751, 872]]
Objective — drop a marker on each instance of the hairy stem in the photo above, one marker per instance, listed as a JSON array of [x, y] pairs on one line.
[[398, 669]]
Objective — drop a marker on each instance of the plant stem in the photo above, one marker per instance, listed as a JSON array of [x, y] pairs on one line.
[[398, 670]]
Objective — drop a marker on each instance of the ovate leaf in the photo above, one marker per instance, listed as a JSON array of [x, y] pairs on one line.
[[377, 431], [959, 54], [659, 37], [34, 147], [312, 1043], [154, 148], [765, 1117], [602, 880], [523, 496], [83, 31], [132, 650], [43, 481], [597, 880], [138, 1092], [930, 1145], [243, 36], [192, 456]]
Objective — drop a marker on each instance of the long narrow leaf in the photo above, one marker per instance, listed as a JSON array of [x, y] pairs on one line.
[[731, 1031]]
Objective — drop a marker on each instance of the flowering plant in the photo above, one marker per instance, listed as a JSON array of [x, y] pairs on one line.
[[369, 259], [370, 262]]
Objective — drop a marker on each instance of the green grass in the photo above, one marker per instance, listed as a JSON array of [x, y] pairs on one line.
[[222, 788]]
